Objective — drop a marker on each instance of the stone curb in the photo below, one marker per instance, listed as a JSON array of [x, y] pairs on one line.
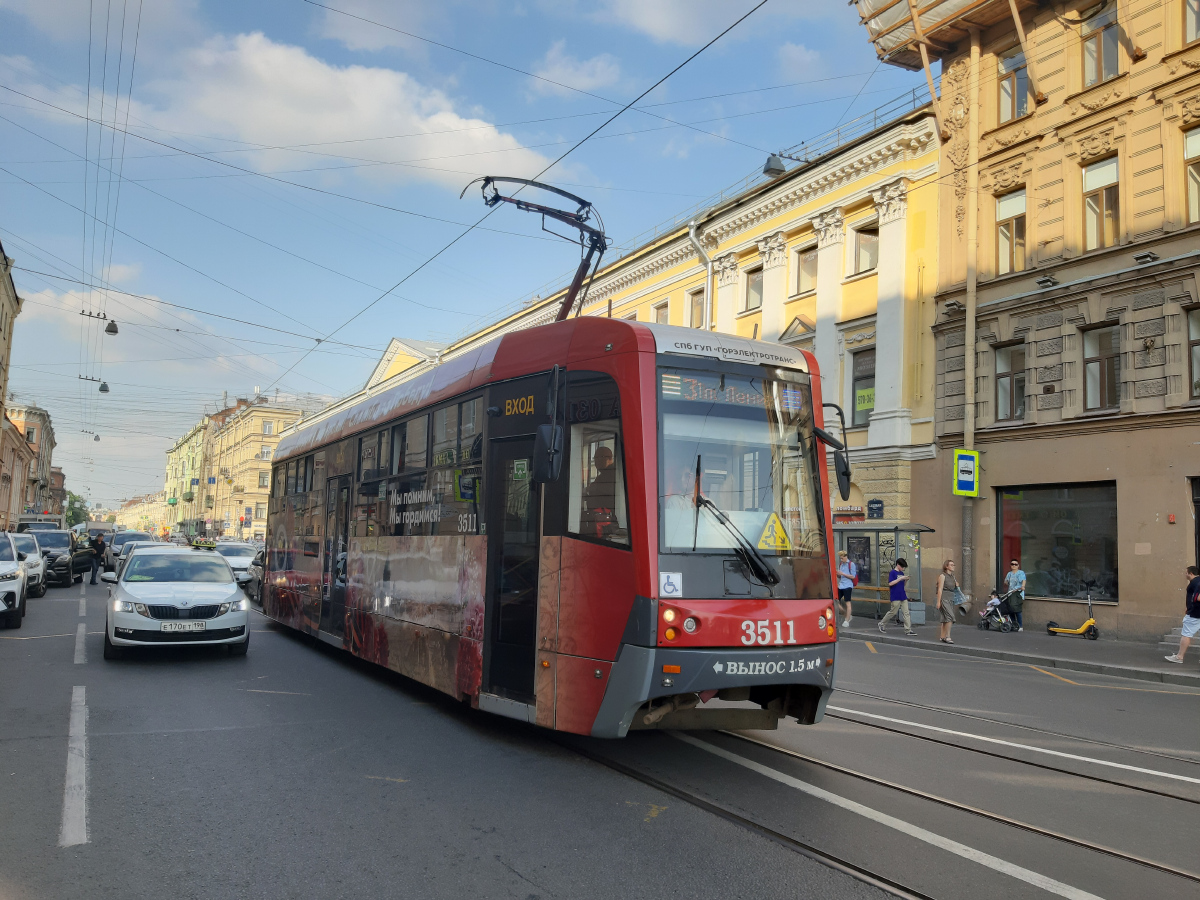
[[1182, 677]]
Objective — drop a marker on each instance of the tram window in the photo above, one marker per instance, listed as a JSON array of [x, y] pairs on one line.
[[308, 474], [596, 506], [408, 507], [471, 430], [369, 508], [291, 477], [416, 442], [373, 456], [279, 482], [445, 436]]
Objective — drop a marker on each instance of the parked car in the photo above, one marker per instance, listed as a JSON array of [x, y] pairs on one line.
[[12, 583], [256, 570], [176, 595], [34, 562], [113, 545], [68, 557]]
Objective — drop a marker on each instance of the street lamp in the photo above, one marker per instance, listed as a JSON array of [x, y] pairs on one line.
[[104, 387], [111, 327]]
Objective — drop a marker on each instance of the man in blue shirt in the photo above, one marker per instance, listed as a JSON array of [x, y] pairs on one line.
[[898, 596], [1015, 581], [1191, 620]]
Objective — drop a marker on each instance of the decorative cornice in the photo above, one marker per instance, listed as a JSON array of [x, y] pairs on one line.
[[1095, 144], [912, 140], [830, 228], [727, 269], [668, 258], [774, 250], [1007, 175], [891, 201]]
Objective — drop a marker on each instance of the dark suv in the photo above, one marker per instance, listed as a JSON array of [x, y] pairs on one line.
[[67, 558]]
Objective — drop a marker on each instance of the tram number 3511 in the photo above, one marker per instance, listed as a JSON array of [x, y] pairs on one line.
[[765, 631]]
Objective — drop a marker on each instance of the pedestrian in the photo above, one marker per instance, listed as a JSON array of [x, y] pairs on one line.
[[898, 597], [947, 594], [1015, 582], [847, 576], [1191, 619], [98, 548]]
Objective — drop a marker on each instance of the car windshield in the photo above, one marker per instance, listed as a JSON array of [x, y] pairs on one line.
[[235, 549], [40, 526], [6, 552], [54, 540], [26, 543], [194, 567], [120, 539], [752, 439]]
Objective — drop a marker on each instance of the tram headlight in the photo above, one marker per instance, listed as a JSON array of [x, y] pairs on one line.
[[669, 615], [670, 634], [820, 623], [690, 625]]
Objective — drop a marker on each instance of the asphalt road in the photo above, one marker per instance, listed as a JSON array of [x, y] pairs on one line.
[[299, 772]]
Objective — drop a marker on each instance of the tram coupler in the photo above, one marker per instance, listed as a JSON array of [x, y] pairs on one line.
[[674, 704]]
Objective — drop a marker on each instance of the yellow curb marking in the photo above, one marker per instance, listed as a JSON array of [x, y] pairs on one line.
[[870, 646], [1052, 675], [654, 808], [385, 778]]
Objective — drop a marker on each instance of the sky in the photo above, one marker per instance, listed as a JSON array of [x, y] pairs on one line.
[[231, 182]]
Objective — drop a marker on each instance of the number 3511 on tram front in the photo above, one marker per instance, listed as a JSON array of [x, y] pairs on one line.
[[593, 526]]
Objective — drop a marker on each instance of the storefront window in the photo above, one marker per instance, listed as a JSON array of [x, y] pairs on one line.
[[1062, 535], [1194, 350]]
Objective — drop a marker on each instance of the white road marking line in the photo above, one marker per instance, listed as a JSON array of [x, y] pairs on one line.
[[83, 606], [83, 589], [74, 812], [1029, 747], [914, 831], [80, 647]]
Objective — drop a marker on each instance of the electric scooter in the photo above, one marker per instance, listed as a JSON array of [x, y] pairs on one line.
[[1088, 628]]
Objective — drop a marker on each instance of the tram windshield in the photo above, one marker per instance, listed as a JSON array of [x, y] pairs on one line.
[[752, 440]]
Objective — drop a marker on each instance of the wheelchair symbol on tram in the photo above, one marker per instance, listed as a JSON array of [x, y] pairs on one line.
[[670, 584]]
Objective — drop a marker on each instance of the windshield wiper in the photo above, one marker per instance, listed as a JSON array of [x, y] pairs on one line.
[[745, 551]]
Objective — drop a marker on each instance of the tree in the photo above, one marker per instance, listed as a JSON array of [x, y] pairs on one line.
[[76, 509], [112, 520]]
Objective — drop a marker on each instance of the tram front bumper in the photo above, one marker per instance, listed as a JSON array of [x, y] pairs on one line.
[[646, 673]]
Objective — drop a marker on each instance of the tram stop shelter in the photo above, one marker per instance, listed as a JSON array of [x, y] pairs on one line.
[[874, 549]]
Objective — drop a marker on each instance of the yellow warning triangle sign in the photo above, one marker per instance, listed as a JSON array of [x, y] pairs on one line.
[[773, 536]]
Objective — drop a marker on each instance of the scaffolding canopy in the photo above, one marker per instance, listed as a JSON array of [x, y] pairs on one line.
[[900, 28]]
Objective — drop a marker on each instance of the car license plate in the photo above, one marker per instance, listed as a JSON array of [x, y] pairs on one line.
[[183, 626]]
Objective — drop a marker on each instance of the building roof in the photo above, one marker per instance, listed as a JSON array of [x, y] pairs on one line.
[[943, 24]]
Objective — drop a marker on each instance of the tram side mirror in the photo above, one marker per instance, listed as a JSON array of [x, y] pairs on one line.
[[547, 453], [828, 438], [841, 468]]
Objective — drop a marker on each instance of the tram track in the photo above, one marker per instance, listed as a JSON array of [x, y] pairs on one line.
[[1025, 762], [973, 810], [882, 882], [1029, 728]]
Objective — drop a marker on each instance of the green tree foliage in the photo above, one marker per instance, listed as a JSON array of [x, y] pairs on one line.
[[76, 509]]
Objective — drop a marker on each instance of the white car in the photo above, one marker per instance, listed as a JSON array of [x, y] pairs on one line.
[[168, 594], [12, 583], [238, 555], [34, 562]]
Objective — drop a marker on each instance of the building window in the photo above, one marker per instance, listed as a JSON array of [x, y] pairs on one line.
[[754, 281], [1010, 382], [264, 479], [1191, 155], [1013, 84], [1101, 207], [1191, 20], [1062, 535], [1010, 232], [268, 426], [866, 249], [1194, 350], [1102, 368], [30, 434], [1100, 48], [696, 307], [632, 317], [264, 452], [806, 268], [660, 314], [260, 510], [863, 386]]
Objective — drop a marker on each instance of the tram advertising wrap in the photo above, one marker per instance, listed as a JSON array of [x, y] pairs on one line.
[[592, 526]]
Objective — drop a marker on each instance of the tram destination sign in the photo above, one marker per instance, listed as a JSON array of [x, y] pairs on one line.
[[686, 341]]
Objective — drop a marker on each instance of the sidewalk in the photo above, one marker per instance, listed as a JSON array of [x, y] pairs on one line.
[[1124, 659]]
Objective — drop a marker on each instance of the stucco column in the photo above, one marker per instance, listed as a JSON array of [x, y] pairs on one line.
[[891, 420], [774, 256], [727, 281], [831, 235]]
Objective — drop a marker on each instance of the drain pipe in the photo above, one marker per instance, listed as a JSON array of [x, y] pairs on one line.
[[704, 258]]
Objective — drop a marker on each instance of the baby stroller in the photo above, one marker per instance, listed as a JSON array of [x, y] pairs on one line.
[[997, 614]]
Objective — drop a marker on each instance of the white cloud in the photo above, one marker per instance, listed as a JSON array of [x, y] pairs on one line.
[[672, 21], [249, 88], [122, 273], [582, 74], [797, 61], [67, 20], [417, 16]]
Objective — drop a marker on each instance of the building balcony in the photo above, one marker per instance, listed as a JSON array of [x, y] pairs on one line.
[[188, 496]]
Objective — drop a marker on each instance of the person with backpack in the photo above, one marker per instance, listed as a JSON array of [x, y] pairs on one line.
[[847, 579]]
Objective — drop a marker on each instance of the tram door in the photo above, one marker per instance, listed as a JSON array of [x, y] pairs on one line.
[[337, 545], [514, 502]]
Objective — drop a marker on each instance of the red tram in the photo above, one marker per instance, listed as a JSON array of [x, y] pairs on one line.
[[593, 525]]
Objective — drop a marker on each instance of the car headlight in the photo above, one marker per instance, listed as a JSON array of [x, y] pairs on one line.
[[234, 606], [122, 606], [10, 576]]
